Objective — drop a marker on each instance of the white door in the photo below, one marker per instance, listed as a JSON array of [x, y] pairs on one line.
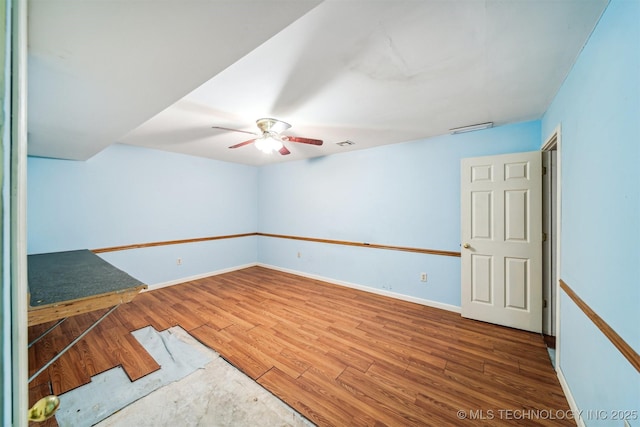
[[502, 240]]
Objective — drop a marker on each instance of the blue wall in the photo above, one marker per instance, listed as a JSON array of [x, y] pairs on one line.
[[403, 194], [127, 195], [598, 108]]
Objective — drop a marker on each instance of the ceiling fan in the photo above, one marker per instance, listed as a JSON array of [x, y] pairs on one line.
[[271, 140]]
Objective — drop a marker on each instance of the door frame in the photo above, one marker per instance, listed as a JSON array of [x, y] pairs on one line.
[[554, 142], [549, 223], [17, 226]]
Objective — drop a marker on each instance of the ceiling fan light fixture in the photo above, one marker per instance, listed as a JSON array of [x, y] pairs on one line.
[[268, 143], [270, 140]]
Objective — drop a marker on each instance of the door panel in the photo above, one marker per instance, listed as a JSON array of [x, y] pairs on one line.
[[502, 239], [481, 207], [516, 282], [516, 220], [482, 278]]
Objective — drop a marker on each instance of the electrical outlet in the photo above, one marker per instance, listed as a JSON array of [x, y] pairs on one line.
[[179, 261], [423, 277]]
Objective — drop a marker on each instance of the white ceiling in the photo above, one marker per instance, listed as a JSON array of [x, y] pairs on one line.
[[160, 74]]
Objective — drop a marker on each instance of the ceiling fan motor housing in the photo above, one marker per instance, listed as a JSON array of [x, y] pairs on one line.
[[272, 125]]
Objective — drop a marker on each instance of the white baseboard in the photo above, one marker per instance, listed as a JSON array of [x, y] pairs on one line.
[[396, 295], [567, 392], [198, 276]]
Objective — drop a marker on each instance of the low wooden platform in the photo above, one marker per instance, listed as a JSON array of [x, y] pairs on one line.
[[63, 284], [337, 355]]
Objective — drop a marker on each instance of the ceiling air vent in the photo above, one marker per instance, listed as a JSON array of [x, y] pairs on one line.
[[345, 143]]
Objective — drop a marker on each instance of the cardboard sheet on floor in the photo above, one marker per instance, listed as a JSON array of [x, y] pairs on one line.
[[112, 390]]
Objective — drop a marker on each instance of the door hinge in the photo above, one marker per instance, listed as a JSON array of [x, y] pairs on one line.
[[544, 237], [545, 304], [544, 170]]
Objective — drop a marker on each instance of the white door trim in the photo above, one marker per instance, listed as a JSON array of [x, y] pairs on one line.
[[549, 196], [555, 141], [19, 289]]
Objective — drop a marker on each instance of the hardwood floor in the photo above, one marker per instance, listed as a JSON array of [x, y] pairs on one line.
[[337, 355]]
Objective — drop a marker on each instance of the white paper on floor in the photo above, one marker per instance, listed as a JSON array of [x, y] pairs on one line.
[[112, 390]]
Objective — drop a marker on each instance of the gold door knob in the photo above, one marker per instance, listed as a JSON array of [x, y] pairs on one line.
[[466, 246], [44, 408]]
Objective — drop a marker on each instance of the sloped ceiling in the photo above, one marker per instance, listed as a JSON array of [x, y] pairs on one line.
[[100, 68], [161, 74]]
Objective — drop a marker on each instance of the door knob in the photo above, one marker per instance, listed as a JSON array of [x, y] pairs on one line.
[[466, 246]]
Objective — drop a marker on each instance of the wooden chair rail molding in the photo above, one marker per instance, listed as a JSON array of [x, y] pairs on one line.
[[364, 244], [627, 351], [279, 236], [169, 242]]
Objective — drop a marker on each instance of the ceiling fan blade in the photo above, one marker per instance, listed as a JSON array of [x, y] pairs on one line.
[[233, 130], [304, 140], [243, 143], [284, 151]]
